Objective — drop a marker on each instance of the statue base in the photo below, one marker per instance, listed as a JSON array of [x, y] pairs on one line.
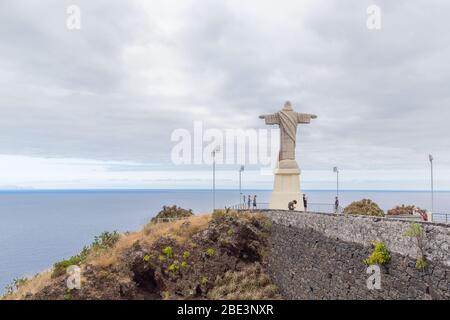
[[286, 186]]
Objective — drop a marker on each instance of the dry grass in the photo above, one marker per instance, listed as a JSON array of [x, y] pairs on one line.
[[180, 230], [249, 284], [32, 285]]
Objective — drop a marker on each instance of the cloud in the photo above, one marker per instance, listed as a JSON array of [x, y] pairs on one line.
[[137, 70]]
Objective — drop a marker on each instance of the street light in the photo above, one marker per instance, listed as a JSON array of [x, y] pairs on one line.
[[213, 153], [432, 183], [240, 186], [336, 169]]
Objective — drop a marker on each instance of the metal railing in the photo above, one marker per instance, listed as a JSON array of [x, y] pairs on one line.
[[441, 218], [244, 206], [312, 207]]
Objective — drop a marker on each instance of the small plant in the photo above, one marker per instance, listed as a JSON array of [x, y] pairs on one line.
[[219, 214], [105, 240], [174, 267], [165, 295], [415, 231], [184, 264], [421, 263], [263, 252], [136, 244], [203, 280], [146, 258], [14, 285], [230, 232], [84, 253], [186, 255], [380, 254], [161, 257], [223, 215], [210, 252], [168, 251], [59, 268]]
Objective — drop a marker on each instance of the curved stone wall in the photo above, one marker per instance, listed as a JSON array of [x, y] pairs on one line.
[[321, 256]]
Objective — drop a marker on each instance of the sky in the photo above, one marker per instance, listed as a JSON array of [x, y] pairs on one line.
[[96, 107]]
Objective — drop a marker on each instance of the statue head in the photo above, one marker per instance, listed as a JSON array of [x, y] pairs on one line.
[[287, 106]]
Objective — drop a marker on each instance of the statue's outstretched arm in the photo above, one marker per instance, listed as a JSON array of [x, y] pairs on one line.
[[305, 117], [270, 118]]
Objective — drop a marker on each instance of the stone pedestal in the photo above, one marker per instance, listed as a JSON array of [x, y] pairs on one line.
[[286, 186]]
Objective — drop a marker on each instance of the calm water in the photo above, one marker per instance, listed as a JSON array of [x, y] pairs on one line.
[[40, 228]]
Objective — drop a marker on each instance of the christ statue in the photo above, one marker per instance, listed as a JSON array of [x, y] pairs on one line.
[[287, 119]]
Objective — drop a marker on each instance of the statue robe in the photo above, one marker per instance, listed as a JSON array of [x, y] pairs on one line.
[[287, 120]]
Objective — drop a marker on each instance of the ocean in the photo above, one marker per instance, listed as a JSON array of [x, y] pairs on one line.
[[38, 228]]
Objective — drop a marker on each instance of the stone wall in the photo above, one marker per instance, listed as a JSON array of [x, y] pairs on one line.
[[320, 256]]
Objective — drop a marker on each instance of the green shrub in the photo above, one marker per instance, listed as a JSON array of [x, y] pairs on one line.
[[14, 285], [146, 258], [210, 252], [186, 255], [421, 263], [184, 264], [101, 242], [168, 251], [172, 212], [105, 240], [174, 267], [203, 280], [364, 207], [230, 232], [380, 254], [59, 268], [415, 231]]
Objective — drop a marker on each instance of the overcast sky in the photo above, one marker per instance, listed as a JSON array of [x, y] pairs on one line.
[[95, 108]]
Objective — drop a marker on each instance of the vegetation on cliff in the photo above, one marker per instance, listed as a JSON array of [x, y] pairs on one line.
[[408, 210], [380, 254], [219, 256], [415, 230], [169, 213], [365, 207]]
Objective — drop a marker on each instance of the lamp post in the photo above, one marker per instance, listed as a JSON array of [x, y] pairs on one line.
[[240, 186], [213, 153], [336, 169], [432, 183]]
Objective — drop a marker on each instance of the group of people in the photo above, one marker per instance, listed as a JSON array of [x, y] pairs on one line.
[[250, 202], [293, 203]]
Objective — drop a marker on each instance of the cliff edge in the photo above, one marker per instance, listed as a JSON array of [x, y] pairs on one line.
[[218, 256]]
